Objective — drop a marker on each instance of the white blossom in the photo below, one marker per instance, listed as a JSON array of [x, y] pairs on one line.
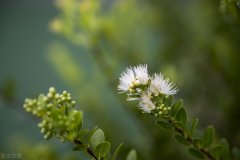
[[146, 104], [133, 77], [161, 85]]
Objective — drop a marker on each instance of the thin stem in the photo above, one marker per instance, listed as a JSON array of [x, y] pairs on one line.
[[89, 150], [190, 139]]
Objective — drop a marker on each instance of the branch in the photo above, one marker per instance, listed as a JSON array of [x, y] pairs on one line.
[[89, 150]]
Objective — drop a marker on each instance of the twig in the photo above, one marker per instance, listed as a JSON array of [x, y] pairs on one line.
[[89, 150]]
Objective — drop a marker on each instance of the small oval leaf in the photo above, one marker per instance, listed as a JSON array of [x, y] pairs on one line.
[[176, 107], [208, 136], [132, 155], [194, 125], [181, 139], [97, 138], [163, 124], [225, 148], [196, 153], [181, 116], [216, 151], [102, 149]]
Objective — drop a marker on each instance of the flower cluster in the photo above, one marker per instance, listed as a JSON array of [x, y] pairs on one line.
[[57, 113], [150, 91]]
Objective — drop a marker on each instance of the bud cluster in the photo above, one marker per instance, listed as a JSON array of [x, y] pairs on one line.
[[162, 110], [57, 112]]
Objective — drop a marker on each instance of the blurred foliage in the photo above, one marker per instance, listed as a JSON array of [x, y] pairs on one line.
[[38, 151], [43, 151]]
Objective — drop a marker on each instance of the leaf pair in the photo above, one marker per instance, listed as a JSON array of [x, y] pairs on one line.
[[98, 143]]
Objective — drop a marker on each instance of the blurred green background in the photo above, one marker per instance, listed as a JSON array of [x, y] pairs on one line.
[[83, 45]]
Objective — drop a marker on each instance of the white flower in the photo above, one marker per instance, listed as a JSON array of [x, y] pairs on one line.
[[133, 77], [146, 104], [161, 85]]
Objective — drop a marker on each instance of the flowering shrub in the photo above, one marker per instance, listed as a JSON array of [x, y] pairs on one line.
[[155, 97]]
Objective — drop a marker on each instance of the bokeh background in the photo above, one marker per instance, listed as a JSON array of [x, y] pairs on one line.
[[83, 45]]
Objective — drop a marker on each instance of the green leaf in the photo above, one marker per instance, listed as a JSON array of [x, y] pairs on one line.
[[82, 133], [176, 107], [132, 155], [114, 157], [163, 124], [216, 151], [78, 119], [181, 139], [181, 116], [88, 139], [208, 136], [194, 125], [225, 149], [102, 149], [97, 138], [196, 153], [197, 142]]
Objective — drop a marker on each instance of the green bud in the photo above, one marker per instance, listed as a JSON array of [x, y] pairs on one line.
[[57, 95], [73, 103], [34, 112], [50, 126], [45, 99], [52, 90], [47, 135], [131, 90], [40, 125], [49, 95], [28, 109], [136, 83], [64, 93], [131, 85], [43, 130]]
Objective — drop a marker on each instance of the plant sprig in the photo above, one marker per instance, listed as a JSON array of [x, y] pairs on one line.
[[60, 119], [155, 97], [201, 145]]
